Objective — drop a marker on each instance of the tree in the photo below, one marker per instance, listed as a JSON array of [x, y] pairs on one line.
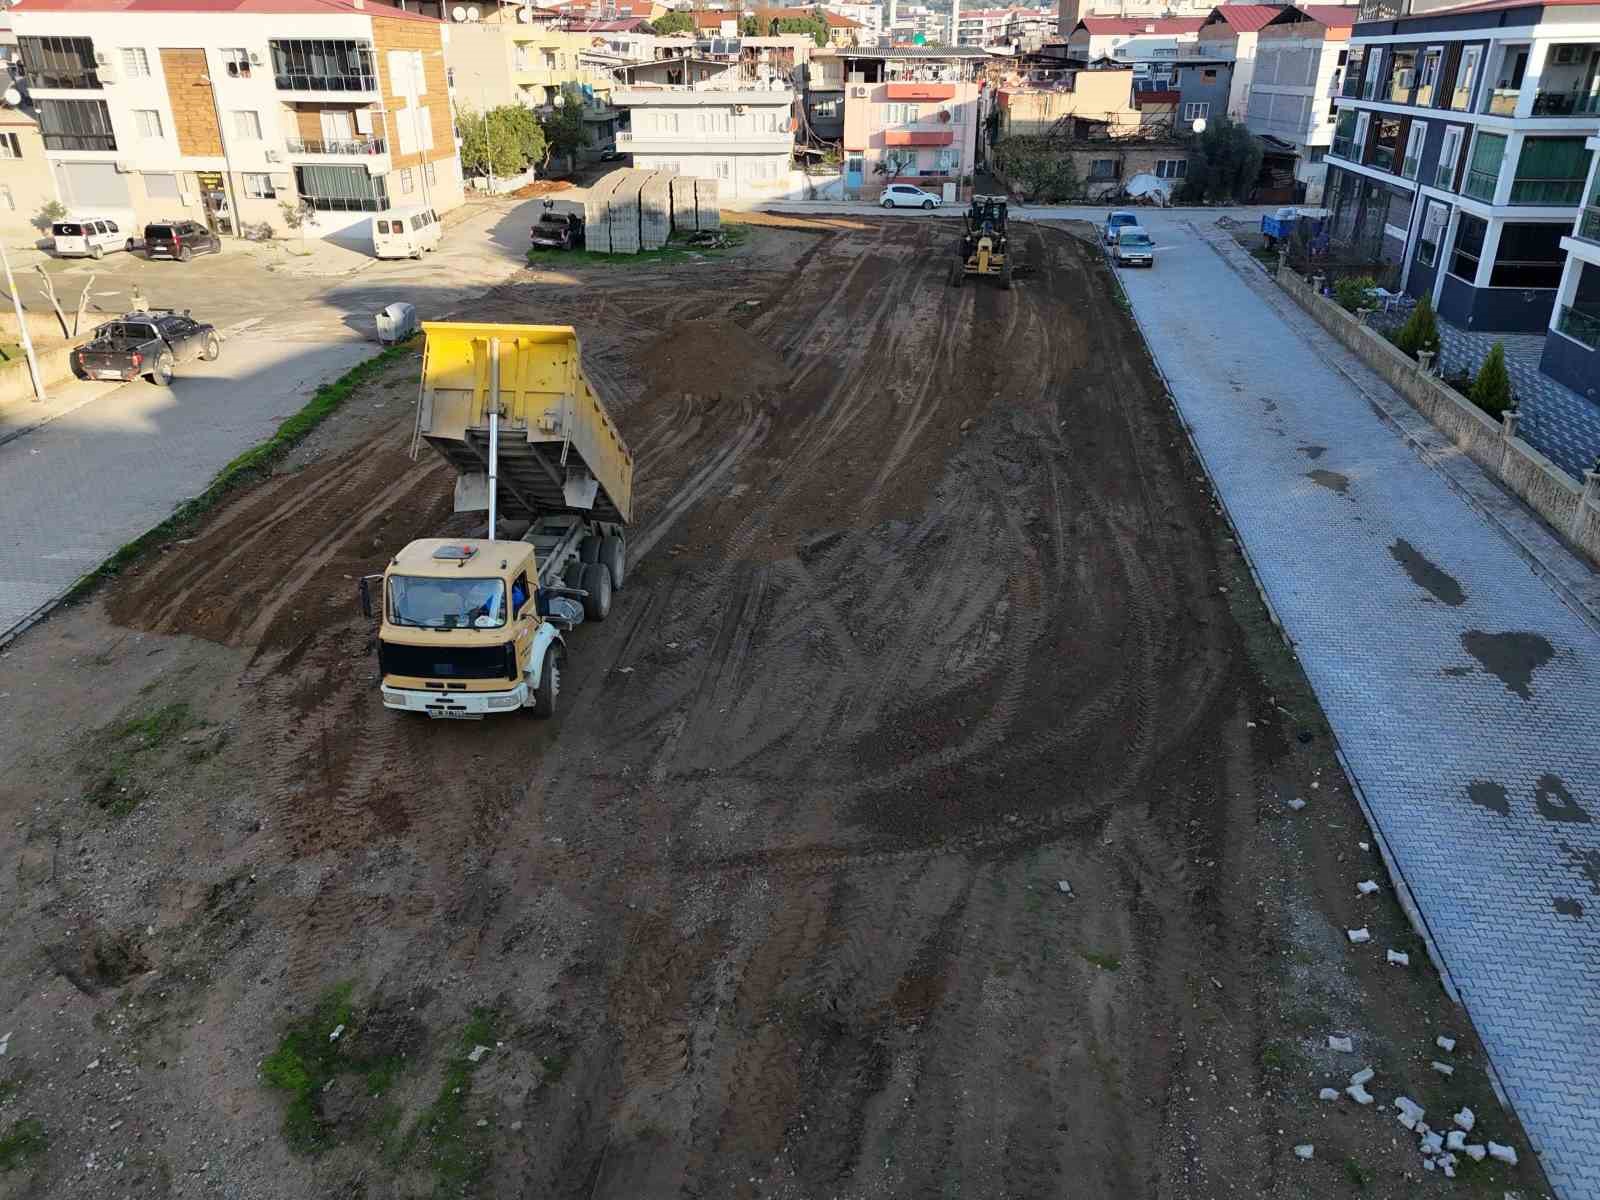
[[1224, 162], [673, 22], [298, 215], [1491, 390], [49, 213], [816, 25], [1420, 332], [503, 141], [564, 131], [1036, 169]]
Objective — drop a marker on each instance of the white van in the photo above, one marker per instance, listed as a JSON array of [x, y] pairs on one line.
[[91, 235], [405, 233]]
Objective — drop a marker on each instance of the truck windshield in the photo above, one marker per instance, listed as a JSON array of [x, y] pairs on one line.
[[133, 333], [446, 603]]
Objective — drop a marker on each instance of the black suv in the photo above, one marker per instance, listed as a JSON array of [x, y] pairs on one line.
[[181, 240]]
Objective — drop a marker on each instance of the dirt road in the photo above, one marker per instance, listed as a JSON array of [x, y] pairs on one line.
[[930, 613]]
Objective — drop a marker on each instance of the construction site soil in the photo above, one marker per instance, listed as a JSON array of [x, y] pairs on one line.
[[915, 825]]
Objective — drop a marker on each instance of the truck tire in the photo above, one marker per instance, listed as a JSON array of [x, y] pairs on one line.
[[572, 577], [544, 696], [597, 582], [1005, 274], [589, 550], [161, 372], [614, 554]]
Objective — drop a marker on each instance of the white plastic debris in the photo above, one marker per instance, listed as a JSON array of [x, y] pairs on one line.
[[1328, 1094], [1427, 1164], [1359, 1094], [337, 1030], [1465, 1119], [1364, 845], [1362, 1076], [1359, 937], [1064, 887], [1399, 958], [1443, 1068], [1474, 1151], [1297, 804], [1410, 1107], [1304, 1151], [1455, 1140], [5, 1042], [477, 1053], [1447, 1044], [1409, 1121], [1342, 1044], [1366, 887], [1503, 1154], [1447, 1164]]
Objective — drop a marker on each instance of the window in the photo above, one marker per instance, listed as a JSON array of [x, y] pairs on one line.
[[58, 62], [1386, 142], [946, 162], [148, 122], [1466, 78], [322, 65], [1196, 111], [1529, 256], [1344, 129], [1444, 176], [1483, 172], [1550, 171], [408, 181], [1172, 168], [1414, 140], [1402, 76], [1433, 222], [1470, 232], [259, 187], [9, 146], [719, 168], [161, 186], [76, 125], [429, 175], [341, 189], [1352, 72], [824, 110], [1428, 74], [247, 125], [135, 63], [1103, 168], [1369, 81], [235, 62]]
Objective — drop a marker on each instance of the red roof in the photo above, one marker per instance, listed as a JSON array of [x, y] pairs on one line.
[[1243, 18], [1098, 26], [372, 8], [1333, 16]]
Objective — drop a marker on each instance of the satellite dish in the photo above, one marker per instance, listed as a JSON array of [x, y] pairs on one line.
[[459, 13], [1199, 125], [558, 100], [12, 97], [472, 13], [524, 15]]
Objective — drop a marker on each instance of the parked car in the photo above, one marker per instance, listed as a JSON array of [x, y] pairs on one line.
[[1116, 221], [181, 240], [89, 237], [557, 230], [1134, 247], [904, 195], [151, 344], [406, 233], [612, 154]]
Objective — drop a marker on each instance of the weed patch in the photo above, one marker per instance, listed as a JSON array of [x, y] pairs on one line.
[[1106, 962], [1354, 1173], [456, 1149], [304, 1063], [115, 789], [23, 1141]]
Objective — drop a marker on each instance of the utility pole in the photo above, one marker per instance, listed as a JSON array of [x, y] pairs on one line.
[[22, 326]]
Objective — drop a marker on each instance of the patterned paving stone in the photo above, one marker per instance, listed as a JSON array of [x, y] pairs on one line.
[[1464, 700]]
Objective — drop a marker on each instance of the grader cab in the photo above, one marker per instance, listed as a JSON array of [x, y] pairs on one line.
[[985, 247]]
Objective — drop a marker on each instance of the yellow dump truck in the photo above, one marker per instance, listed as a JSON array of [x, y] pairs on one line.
[[473, 626]]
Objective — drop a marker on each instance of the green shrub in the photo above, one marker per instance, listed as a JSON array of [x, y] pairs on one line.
[[1491, 390], [1420, 332], [1354, 291]]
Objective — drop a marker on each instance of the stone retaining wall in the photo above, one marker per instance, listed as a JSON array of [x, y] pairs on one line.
[[1573, 510]]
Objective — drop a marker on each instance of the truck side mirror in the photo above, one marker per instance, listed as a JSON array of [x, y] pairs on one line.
[[365, 591]]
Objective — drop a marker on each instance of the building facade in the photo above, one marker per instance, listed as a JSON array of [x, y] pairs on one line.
[[1151, 46], [1073, 11], [1463, 155], [1572, 347], [1204, 88], [1230, 33], [715, 120], [912, 115], [1299, 66], [339, 106]]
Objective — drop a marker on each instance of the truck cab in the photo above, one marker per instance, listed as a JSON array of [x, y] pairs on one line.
[[466, 632]]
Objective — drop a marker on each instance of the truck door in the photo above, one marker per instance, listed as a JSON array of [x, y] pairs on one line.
[[524, 615]]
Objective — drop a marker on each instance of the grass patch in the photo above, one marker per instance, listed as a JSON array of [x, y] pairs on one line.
[[676, 250], [23, 1141], [115, 790], [255, 463], [555, 1066], [1273, 1057], [1106, 962], [305, 1061], [1357, 1177], [455, 1148]]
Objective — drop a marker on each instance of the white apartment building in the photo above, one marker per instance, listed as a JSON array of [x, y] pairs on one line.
[[223, 115], [1299, 69], [711, 119], [1073, 11], [868, 16], [1229, 35]]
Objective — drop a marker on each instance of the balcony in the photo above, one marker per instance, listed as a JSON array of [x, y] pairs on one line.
[[1480, 185], [1503, 101], [920, 91], [1546, 191], [353, 146], [1580, 326], [1383, 157], [1565, 104], [1589, 224], [909, 137], [323, 65]]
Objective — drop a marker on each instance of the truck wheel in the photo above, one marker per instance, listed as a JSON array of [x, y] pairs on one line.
[[572, 577], [615, 557], [161, 373], [1005, 274], [589, 550], [597, 582], [544, 696], [213, 350]]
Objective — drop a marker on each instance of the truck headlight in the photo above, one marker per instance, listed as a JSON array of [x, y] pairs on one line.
[[393, 697], [504, 701]]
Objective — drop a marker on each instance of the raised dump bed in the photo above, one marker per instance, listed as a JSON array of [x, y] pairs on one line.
[[558, 451]]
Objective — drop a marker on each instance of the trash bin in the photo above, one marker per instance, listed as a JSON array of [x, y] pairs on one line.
[[397, 322]]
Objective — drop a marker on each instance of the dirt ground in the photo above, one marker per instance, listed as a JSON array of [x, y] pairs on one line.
[[917, 824]]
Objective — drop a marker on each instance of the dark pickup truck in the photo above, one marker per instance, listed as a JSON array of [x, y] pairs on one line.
[[557, 230], [151, 344]]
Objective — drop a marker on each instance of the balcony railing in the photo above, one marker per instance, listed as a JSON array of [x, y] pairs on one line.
[[1344, 148], [1546, 191], [355, 146], [1480, 185], [1383, 157], [1503, 101], [1565, 104], [1580, 326], [1589, 224]]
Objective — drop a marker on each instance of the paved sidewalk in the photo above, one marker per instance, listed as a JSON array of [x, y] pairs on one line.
[[1462, 690]]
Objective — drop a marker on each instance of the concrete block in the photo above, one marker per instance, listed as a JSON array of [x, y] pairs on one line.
[[1304, 1151], [1474, 1151], [1465, 1119], [597, 212], [1455, 1140], [1447, 1164], [1443, 1068], [655, 211], [707, 206], [683, 210], [1359, 937], [1409, 1121], [1503, 1154], [1399, 958], [1362, 1076], [1410, 1107], [1447, 1044], [1328, 1094], [1296, 804], [1432, 1143], [1366, 887], [1343, 1044], [1359, 1094]]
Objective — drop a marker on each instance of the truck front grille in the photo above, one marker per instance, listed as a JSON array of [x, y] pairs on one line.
[[448, 662]]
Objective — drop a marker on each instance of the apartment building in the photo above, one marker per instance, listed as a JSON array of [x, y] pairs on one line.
[[712, 119], [1230, 33], [223, 115], [1152, 46], [1572, 346], [1042, 101], [1072, 12], [868, 16], [1299, 64], [1463, 153], [912, 115]]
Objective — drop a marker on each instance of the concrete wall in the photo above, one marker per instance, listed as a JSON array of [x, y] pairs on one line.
[[1540, 484], [1573, 363], [1498, 310], [27, 184]]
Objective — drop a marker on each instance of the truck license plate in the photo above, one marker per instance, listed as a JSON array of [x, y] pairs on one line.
[[108, 374], [456, 714]]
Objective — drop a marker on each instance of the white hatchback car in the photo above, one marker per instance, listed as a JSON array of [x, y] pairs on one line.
[[904, 195]]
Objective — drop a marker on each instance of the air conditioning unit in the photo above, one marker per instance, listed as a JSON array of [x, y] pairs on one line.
[[124, 167], [859, 93], [102, 59], [255, 58], [273, 156], [739, 110]]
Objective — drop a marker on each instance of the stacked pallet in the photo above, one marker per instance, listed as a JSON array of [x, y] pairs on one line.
[[632, 210]]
